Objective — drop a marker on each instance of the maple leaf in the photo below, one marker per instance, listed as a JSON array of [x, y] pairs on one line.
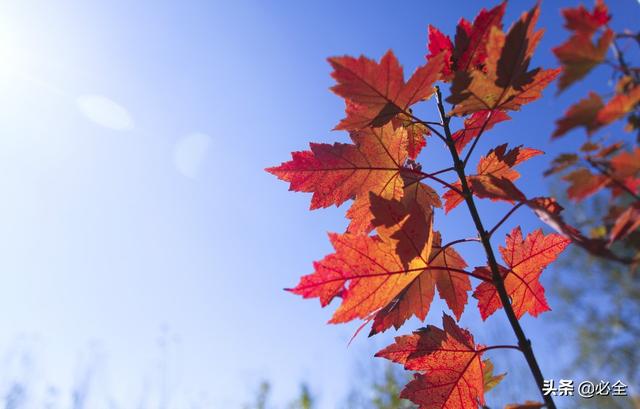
[[407, 221], [494, 188], [619, 106], [579, 55], [445, 273], [626, 164], [365, 271], [493, 176], [470, 41], [580, 20], [440, 43], [583, 113], [592, 113], [475, 124], [339, 172], [505, 82], [625, 169], [449, 364], [583, 183], [376, 92], [525, 260]]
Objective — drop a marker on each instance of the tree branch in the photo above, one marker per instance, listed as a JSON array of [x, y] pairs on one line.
[[523, 342]]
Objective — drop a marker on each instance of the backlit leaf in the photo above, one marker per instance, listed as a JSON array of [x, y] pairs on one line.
[[505, 82], [579, 55], [339, 172], [488, 181], [525, 260], [444, 273], [449, 365], [376, 92]]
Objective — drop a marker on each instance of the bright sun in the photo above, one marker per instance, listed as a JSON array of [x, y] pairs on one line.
[[13, 57]]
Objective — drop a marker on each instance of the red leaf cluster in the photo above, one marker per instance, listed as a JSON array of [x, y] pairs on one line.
[[597, 166], [388, 265]]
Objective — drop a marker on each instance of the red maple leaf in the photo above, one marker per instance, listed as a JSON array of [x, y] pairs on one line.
[[525, 260], [449, 365], [580, 20], [583, 113], [579, 55], [470, 42], [505, 82]]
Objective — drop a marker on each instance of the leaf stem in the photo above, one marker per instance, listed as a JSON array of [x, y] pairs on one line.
[[415, 121], [476, 139], [467, 240], [504, 218], [523, 342], [425, 123], [489, 348], [435, 178]]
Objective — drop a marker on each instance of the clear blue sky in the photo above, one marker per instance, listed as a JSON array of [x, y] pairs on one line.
[[140, 235]]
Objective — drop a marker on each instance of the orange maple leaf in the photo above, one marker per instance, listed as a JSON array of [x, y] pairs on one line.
[[366, 271], [618, 106], [583, 183], [376, 92], [580, 20], [445, 273], [339, 172], [491, 170]]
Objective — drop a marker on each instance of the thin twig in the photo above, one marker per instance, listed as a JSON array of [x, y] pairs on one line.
[[504, 218]]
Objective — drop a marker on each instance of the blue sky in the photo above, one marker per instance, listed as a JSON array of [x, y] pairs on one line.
[[140, 234]]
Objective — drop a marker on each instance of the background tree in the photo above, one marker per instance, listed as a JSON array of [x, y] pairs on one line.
[[601, 178]]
